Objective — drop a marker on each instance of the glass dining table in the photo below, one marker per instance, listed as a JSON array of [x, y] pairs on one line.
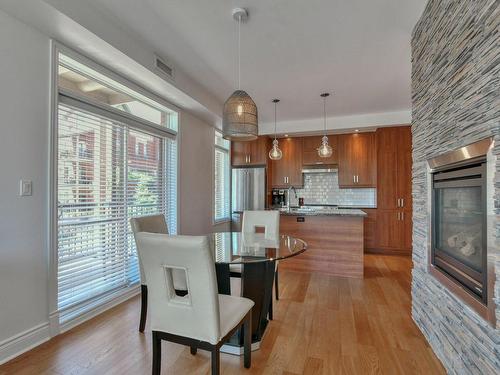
[[257, 254]]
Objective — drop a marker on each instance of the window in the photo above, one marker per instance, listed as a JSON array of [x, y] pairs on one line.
[[222, 178], [111, 167]]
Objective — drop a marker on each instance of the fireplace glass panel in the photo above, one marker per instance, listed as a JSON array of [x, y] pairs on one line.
[[459, 224]]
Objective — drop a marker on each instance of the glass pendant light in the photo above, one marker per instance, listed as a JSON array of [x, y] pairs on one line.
[[240, 117], [325, 150], [275, 153]]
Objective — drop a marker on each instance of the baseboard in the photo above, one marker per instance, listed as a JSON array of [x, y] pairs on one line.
[[27, 340], [24, 341]]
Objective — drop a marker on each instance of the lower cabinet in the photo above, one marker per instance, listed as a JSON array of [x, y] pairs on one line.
[[394, 231]]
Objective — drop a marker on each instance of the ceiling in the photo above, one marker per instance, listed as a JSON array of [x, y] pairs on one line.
[[291, 49]]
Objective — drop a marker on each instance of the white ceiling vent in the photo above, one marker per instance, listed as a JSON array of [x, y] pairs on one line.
[[164, 67]]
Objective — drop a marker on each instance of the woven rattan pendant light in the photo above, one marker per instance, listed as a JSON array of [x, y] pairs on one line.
[[240, 117]]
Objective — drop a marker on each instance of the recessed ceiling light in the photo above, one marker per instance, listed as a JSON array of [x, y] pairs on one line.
[[357, 130], [286, 135]]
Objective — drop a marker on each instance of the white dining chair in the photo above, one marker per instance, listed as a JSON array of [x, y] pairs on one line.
[[253, 221], [153, 224], [202, 319]]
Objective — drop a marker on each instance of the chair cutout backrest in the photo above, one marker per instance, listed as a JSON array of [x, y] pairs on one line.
[[195, 315], [150, 224], [269, 220]]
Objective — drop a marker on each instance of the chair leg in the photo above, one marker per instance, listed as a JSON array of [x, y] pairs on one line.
[[194, 350], [247, 343], [276, 290], [144, 307], [156, 354], [270, 313], [215, 361]]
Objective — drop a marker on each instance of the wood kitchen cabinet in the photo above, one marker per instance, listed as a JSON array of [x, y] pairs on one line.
[[394, 160], [357, 160], [288, 170], [310, 147], [250, 153]]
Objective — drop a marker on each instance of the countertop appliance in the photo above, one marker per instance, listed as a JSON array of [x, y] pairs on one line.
[[279, 197], [248, 192]]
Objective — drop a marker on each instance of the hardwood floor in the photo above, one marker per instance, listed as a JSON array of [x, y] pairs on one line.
[[322, 325]]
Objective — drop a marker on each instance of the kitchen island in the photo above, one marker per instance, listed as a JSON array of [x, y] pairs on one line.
[[334, 238]]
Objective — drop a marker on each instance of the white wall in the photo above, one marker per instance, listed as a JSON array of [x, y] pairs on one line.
[[24, 153], [24, 109], [196, 177]]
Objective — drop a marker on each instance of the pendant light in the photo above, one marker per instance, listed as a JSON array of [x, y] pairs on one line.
[[240, 118], [325, 150], [275, 153]]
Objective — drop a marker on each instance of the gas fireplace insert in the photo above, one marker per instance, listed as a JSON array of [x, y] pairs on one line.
[[459, 225]]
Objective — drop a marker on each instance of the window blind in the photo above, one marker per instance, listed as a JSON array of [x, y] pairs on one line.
[[108, 172], [222, 178]]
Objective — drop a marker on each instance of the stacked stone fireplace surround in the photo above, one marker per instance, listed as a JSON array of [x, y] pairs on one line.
[[455, 102]]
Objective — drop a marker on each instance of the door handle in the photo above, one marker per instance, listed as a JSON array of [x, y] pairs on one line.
[[402, 202], [357, 179], [354, 178], [397, 202]]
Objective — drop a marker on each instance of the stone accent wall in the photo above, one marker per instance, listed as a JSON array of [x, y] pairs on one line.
[[456, 101], [323, 188]]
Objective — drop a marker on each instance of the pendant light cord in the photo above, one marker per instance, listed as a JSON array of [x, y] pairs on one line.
[[275, 103], [239, 52], [324, 113]]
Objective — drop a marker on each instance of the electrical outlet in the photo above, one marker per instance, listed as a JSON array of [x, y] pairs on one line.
[[25, 188]]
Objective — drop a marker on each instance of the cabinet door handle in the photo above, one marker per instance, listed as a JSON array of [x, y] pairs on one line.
[[287, 180], [357, 179], [402, 216], [402, 202], [284, 180], [249, 158], [397, 202], [398, 216], [354, 178]]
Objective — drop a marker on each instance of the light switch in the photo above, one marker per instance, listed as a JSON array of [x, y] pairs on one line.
[[25, 188]]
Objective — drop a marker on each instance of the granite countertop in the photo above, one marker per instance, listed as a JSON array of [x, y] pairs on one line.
[[324, 212]]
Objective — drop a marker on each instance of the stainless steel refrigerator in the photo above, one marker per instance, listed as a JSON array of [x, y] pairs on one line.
[[248, 192]]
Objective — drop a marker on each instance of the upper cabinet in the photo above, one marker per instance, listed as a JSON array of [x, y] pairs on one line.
[[250, 153], [310, 155], [357, 160], [288, 170], [394, 168]]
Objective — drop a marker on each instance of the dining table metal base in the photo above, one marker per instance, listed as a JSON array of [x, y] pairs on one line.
[[256, 284]]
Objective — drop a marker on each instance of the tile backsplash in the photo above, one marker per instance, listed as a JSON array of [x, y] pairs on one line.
[[323, 188]]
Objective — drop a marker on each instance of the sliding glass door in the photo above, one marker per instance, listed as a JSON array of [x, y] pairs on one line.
[[109, 168]]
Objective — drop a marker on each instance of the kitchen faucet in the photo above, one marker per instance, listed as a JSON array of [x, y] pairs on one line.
[[288, 196]]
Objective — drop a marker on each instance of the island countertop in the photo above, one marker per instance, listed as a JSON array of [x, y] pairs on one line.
[[323, 212]]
